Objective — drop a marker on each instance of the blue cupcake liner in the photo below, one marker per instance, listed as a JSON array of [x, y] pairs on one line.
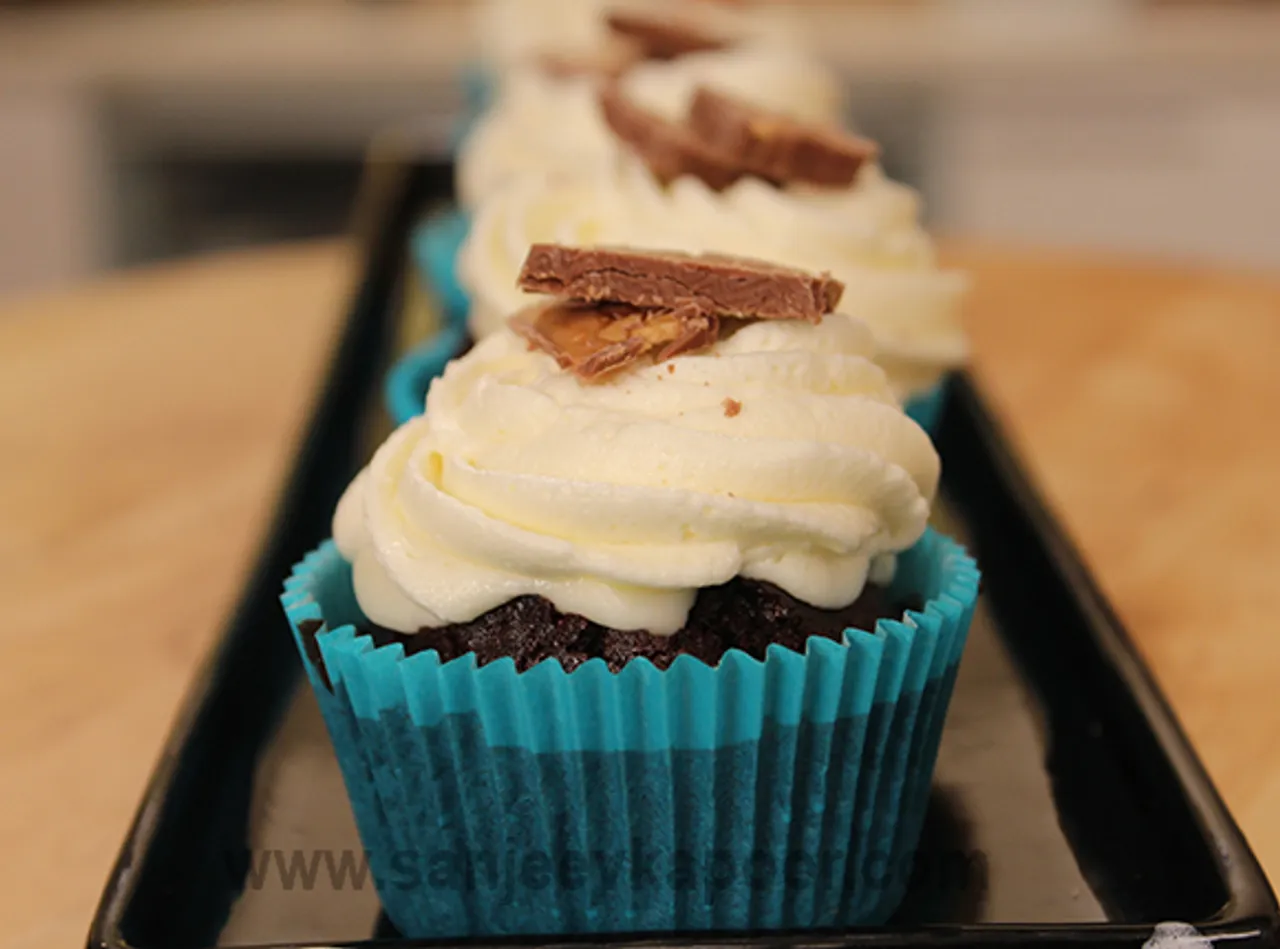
[[477, 95], [436, 243], [926, 408], [404, 391], [782, 793]]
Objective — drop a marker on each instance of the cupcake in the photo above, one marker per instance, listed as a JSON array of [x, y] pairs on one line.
[[545, 128], [550, 127], [537, 114], [861, 226], [640, 627], [543, 119]]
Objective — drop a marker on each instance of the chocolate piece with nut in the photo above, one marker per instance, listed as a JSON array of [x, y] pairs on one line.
[[716, 284], [725, 138], [775, 147], [614, 306], [669, 149]]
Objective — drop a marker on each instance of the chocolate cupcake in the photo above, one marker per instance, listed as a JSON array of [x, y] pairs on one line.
[[640, 627]]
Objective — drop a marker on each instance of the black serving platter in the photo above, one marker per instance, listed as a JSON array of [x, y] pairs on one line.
[[1068, 808]]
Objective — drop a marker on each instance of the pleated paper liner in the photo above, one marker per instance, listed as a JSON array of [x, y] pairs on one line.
[[435, 246], [781, 793], [477, 94], [437, 240], [925, 408], [421, 316], [404, 390]]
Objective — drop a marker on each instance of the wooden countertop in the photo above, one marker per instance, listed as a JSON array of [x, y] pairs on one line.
[[149, 419]]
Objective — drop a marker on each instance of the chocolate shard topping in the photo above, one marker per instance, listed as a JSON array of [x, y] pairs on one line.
[[725, 138], [595, 340], [715, 284], [663, 37], [669, 149], [775, 147]]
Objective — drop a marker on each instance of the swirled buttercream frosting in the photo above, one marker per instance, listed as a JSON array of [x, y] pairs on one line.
[[618, 501]]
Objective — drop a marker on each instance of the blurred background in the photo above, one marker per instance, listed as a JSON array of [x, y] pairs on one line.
[[145, 131]]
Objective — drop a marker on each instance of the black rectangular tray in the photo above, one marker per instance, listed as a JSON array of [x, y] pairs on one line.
[[1067, 807]]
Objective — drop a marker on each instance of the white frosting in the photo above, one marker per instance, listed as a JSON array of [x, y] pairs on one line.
[[619, 500], [510, 32], [546, 128], [539, 129], [868, 236]]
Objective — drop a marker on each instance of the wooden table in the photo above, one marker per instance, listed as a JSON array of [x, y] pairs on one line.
[[148, 420]]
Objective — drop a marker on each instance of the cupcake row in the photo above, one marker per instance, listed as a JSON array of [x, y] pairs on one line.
[[545, 162], [636, 622]]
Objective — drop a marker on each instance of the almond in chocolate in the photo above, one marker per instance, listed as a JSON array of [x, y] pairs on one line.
[[715, 284], [593, 341], [775, 147]]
